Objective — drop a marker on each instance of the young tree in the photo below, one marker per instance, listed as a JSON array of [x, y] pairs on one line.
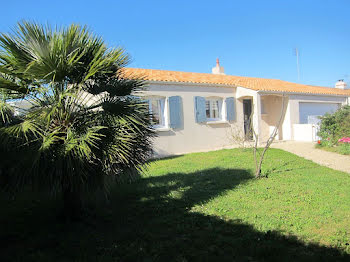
[[259, 157], [238, 138], [84, 123]]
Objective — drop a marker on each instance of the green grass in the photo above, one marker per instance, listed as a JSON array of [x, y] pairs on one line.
[[327, 148], [196, 207], [343, 149]]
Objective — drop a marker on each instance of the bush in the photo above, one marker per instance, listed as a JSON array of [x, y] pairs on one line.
[[344, 149], [335, 126], [84, 124], [326, 143]]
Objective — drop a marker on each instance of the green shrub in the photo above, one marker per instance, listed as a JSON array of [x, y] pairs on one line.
[[335, 126], [326, 142], [344, 149]]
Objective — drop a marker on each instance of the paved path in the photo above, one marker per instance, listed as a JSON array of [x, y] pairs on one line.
[[308, 151]]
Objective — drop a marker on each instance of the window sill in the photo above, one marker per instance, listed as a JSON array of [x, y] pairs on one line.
[[161, 129], [217, 122]]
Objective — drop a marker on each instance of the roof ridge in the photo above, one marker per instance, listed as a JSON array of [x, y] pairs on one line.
[[211, 74]]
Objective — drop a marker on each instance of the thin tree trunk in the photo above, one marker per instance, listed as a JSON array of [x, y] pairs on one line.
[[255, 148], [258, 164], [255, 154], [258, 170]]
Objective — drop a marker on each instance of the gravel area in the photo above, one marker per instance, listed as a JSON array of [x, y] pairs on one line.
[[319, 156]]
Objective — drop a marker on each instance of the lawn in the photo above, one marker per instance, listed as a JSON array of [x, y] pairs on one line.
[[340, 149], [196, 207]]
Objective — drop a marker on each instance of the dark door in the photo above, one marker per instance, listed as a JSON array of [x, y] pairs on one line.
[[247, 111]]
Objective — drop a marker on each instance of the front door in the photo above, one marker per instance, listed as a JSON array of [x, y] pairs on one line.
[[247, 111]]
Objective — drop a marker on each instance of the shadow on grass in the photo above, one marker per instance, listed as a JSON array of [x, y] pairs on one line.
[[151, 220], [166, 157]]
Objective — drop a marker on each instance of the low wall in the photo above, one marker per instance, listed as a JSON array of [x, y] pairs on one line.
[[305, 132]]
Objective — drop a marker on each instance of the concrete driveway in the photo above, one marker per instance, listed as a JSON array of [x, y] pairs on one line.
[[308, 151]]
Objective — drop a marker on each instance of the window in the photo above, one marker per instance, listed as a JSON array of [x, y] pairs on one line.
[[156, 108], [213, 109]]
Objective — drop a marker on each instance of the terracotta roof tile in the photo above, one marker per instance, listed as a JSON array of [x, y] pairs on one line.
[[229, 80]]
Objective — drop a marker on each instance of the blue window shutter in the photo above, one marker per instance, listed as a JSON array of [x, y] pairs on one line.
[[200, 109], [175, 108], [230, 109]]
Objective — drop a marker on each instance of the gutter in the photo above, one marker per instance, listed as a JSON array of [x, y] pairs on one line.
[[299, 93], [189, 84], [235, 86]]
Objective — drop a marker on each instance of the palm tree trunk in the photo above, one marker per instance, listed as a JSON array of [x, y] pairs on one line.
[[72, 204]]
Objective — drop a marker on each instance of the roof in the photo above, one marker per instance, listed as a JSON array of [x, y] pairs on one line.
[[254, 83]]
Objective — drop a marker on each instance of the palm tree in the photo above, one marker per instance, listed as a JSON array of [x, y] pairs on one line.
[[84, 123]]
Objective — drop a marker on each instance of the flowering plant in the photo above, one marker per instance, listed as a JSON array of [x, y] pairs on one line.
[[344, 140]]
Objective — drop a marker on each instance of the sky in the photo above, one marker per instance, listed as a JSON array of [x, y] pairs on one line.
[[251, 38]]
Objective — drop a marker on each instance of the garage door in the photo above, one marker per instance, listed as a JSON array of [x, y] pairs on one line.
[[309, 112]]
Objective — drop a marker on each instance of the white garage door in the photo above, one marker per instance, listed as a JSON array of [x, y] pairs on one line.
[[309, 112]]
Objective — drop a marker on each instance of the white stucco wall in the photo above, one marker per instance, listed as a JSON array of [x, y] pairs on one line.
[[286, 124], [291, 128], [244, 93], [197, 137], [272, 105], [303, 132], [194, 137], [20, 106], [299, 131]]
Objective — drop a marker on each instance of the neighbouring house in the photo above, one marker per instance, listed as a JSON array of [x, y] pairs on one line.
[[196, 112]]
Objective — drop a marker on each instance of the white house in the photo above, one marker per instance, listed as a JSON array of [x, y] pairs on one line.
[[196, 112]]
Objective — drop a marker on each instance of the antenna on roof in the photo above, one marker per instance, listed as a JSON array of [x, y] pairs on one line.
[[296, 53]]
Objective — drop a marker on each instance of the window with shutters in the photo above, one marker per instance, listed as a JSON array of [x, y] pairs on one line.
[[156, 108], [213, 109]]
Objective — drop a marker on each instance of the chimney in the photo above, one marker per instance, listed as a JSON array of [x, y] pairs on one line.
[[340, 84], [218, 70]]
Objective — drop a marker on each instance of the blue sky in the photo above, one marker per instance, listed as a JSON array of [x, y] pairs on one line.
[[251, 38]]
